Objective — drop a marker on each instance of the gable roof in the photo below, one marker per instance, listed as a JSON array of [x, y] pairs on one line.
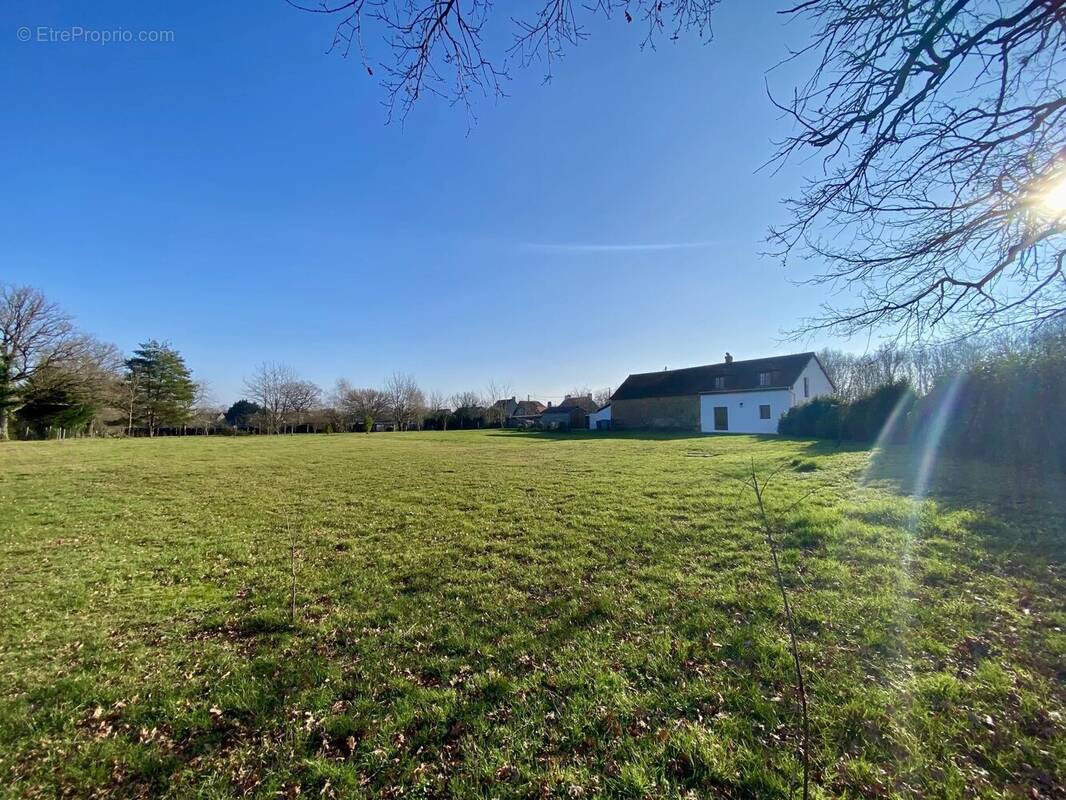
[[569, 404], [739, 376], [528, 408]]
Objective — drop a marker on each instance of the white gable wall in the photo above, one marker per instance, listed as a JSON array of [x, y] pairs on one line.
[[817, 382], [743, 407], [743, 410]]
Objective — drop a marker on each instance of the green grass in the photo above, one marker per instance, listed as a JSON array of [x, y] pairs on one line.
[[488, 614]]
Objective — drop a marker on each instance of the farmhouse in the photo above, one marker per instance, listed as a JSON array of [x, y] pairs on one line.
[[734, 396]]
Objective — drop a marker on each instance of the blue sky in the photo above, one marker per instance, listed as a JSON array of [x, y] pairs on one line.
[[236, 192]]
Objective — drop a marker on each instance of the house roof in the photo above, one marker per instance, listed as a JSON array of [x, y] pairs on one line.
[[528, 408], [585, 404], [739, 376]]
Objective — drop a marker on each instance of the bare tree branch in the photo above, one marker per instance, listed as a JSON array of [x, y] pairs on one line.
[[942, 127], [438, 47]]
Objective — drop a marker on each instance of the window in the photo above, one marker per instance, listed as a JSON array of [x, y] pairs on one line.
[[806, 387], [719, 382], [765, 378], [721, 418], [764, 412]]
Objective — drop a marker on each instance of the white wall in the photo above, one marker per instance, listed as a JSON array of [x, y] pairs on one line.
[[603, 413], [818, 383], [744, 410]]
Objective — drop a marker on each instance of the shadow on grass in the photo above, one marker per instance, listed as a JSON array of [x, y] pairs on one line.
[[575, 435], [1015, 510], [813, 447]]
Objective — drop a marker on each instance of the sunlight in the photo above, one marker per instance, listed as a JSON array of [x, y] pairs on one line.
[[933, 433], [887, 434], [1052, 200]]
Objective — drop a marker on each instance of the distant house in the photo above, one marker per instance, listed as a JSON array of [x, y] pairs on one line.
[[600, 419], [733, 396], [516, 413], [503, 409], [526, 412], [570, 414]]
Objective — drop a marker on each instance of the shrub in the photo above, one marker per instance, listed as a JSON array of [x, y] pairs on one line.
[[820, 417], [864, 419], [860, 421], [1008, 409]]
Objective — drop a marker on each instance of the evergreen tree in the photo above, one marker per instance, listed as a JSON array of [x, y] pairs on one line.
[[241, 413], [53, 400], [161, 387]]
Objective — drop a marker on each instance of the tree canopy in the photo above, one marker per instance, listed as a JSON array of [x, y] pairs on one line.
[[35, 336], [162, 387], [240, 413]]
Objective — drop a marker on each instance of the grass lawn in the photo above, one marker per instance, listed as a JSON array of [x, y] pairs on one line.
[[495, 614]]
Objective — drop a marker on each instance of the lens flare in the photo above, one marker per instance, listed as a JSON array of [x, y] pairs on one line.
[[1052, 200], [933, 434], [887, 435]]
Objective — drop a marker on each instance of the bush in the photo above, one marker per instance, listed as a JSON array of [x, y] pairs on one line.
[[860, 421], [820, 417], [1008, 409], [864, 419]]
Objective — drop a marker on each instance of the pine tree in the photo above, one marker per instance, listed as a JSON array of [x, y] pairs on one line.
[[161, 386]]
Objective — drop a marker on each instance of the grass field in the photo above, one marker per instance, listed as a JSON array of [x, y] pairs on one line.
[[491, 614]]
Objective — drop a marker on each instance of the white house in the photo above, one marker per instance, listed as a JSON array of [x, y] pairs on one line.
[[600, 419], [730, 397]]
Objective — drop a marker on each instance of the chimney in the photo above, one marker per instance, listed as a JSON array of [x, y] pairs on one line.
[[549, 404], [728, 358]]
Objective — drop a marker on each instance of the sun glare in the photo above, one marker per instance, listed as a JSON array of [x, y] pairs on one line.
[[1053, 200]]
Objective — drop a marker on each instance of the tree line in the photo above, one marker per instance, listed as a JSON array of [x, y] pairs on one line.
[[922, 366], [54, 377], [996, 398], [56, 380]]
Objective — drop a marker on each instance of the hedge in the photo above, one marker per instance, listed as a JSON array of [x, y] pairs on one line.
[[1009, 409]]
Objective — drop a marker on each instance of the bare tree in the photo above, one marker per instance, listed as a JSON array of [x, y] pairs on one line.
[[580, 391], [301, 397], [269, 387], [363, 405], [923, 366], [97, 375], [943, 133], [436, 47], [438, 408], [467, 399], [406, 400], [35, 335], [939, 199], [469, 408], [500, 401], [602, 397]]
